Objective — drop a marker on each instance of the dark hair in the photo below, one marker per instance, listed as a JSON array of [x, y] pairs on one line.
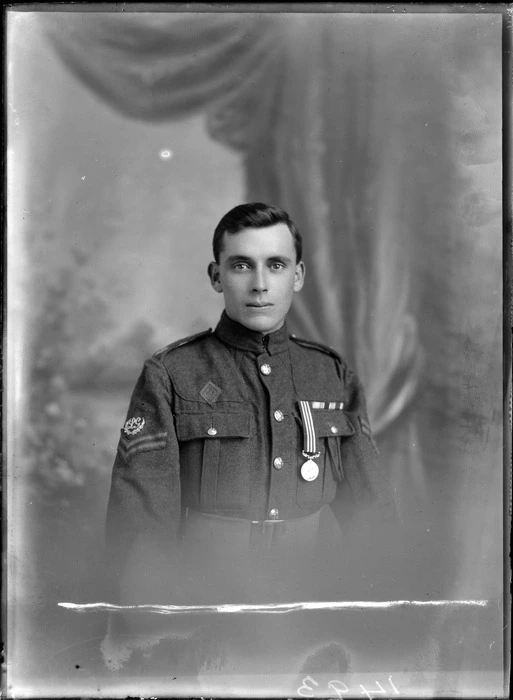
[[254, 215]]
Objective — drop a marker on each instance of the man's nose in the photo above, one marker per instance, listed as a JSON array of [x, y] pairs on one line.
[[260, 281]]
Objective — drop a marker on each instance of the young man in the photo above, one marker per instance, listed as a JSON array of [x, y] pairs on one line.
[[237, 441]]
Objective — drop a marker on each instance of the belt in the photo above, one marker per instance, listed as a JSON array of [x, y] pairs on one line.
[[260, 534], [224, 516]]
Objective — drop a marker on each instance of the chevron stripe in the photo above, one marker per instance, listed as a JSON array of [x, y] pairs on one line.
[[145, 438], [144, 444], [150, 447], [366, 429]]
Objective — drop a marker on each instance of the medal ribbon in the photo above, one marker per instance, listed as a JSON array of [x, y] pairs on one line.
[[309, 430], [330, 405]]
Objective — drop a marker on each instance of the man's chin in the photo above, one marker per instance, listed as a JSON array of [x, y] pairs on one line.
[[261, 324]]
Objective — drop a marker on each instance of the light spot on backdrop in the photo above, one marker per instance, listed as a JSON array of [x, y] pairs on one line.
[[166, 154]]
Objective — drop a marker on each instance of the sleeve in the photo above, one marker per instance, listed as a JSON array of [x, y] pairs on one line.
[[144, 501], [365, 484]]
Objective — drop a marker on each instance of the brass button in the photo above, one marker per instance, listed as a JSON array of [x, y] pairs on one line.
[[334, 429], [278, 463], [212, 431], [265, 369], [278, 415], [273, 514]]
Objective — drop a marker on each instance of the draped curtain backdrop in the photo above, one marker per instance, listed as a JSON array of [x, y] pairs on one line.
[[368, 133]]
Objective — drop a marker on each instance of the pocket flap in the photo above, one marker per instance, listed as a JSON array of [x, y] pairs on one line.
[[194, 426], [332, 423]]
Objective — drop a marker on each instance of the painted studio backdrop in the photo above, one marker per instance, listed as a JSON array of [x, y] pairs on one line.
[[129, 136]]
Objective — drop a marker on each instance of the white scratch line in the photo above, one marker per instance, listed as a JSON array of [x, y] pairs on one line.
[[270, 607]]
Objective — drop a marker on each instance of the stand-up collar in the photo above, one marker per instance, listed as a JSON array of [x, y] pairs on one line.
[[234, 333]]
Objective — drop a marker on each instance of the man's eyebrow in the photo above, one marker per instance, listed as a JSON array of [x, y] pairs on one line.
[[245, 258], [238, 258], [279, 258]]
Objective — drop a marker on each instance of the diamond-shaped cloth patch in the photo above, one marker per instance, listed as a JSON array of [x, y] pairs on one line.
[[210, 392]]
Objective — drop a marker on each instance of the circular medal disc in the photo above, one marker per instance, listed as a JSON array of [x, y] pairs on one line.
[[310, 470]]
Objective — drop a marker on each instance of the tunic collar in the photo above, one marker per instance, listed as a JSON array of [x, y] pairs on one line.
[[235, 334]]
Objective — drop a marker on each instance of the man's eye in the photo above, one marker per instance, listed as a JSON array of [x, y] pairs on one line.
[[277, 266], [241, 266]]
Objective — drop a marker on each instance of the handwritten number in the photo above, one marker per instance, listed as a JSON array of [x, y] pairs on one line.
[[307, 687], [338, 690], [393, 686], [376, 692]]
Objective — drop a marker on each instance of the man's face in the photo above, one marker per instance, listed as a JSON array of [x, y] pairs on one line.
[[258, 274]]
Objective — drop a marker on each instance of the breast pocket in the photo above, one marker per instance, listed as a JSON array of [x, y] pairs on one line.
[[215, 457], [331, 427]]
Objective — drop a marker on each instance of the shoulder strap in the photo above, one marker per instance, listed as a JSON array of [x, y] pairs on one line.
[[316, 346], [182, 341]]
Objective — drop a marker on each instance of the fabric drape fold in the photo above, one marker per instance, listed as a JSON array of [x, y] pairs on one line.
[[166, 65]]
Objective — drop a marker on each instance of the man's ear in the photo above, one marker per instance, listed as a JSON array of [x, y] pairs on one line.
[[215, 277], [299, 276]]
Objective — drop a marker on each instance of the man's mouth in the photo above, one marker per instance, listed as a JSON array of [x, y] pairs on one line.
[[259, 305]]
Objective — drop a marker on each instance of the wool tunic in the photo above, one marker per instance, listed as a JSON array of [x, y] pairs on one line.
[[215, 436]]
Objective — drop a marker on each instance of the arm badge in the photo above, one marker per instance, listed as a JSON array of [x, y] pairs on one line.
[[134, 426]]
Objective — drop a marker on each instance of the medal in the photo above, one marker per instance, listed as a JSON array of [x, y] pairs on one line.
[[310, 470]]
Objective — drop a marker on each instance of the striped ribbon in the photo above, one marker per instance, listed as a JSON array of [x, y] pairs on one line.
[[330, 405], [309, 430]]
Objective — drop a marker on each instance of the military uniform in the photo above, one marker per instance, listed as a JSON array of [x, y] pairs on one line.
[[211, 501], [216, 438]]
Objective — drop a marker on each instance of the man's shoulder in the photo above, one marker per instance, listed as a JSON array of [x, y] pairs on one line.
[[189, 341], [313, 345]]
